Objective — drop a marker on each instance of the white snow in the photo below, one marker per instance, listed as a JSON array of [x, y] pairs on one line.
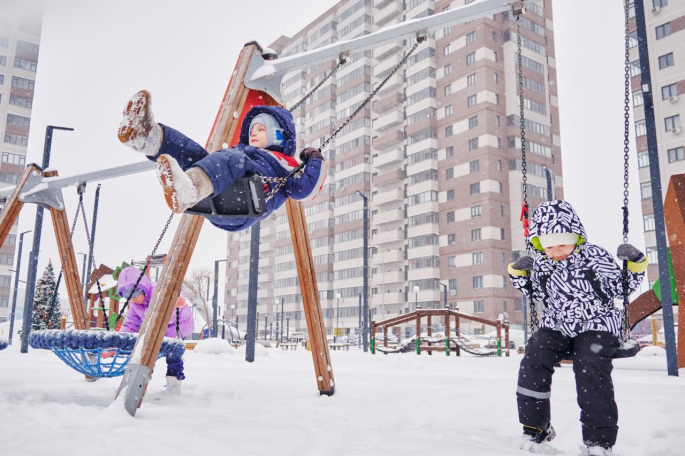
[[213, 345], [399, 405]]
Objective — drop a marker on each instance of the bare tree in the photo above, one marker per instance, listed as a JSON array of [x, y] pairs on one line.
[[196, 286]]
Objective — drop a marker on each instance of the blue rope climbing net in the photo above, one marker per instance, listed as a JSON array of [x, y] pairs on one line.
[[100, 354], [3, 344]]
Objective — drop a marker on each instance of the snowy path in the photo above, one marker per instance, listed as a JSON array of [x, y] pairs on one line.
[[384, 405]]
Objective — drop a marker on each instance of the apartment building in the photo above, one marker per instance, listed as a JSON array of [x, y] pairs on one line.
[[664, 21], [438, 154], [20, 28]]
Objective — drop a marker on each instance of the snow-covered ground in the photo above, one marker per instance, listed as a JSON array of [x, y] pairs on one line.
[[384, 405]]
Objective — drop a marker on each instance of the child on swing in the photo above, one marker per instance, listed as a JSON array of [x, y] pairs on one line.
[[188, 173], [577, 284], [138, 306]]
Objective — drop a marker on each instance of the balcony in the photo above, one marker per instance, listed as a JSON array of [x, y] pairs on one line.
[[390, 102], [388, 140], [394, 215], [391, 196], [394, 156], [392, 256], [393, 84], [388, 236], [389, 277], [389, 177], [383, 68], [388, 298], [388, 120], [387, 11]]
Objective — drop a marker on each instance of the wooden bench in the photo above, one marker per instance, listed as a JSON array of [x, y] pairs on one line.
[[339, 346], [289, 346]]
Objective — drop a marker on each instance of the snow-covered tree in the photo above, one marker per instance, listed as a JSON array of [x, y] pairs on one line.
[[46, 310]]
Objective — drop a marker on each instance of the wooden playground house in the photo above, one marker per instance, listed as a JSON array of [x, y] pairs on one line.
[[446, 344]]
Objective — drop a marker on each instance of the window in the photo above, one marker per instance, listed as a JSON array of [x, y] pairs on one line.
[[666, 61], [477, 258], [643, 159], [473, 144], [470, 37], [450, 195], [21, 121], [448, 131], [451, 239], [477, 283], [473, 122], [646, 190], [674, 155], [449, 173], [450, 217], [638, 100], [494, 36], [475, 211], [448, 69], [475, 189], [452, 262], [448, 111], [25, 64], [472, 100], [632, 39], [652, 255], [471, 58], [659, 3], [501, 211], [663, 31], [452, 284], [635, 68], [648, 222], [478, 306], [449, 152], [21, 101], [495, 76], [498, 122], [673, 122], [13, 158], [640, 128], [474, 166], [16, 139], [669, 91], [446, 50], [476, 235], [501, 234], [448, 89], [471, 79], [3, 60]]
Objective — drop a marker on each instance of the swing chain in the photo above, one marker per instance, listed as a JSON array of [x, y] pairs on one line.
[[342, 60], [179, 334], [626, 155]]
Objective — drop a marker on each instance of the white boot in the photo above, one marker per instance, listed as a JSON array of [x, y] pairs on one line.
[[138, 129], [182, 189], [173, 386]]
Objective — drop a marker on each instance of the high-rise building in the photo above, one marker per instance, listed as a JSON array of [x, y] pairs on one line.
[[438, 154], [664, 20], [20, 27]]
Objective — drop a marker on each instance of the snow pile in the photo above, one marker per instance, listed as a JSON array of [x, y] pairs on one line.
[[259, 350], [214, 346], [652, 350]]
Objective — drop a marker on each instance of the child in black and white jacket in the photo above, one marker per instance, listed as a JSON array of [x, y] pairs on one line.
[[577, 284]]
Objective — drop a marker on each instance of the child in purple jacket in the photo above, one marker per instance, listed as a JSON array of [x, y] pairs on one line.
[[138, 306]]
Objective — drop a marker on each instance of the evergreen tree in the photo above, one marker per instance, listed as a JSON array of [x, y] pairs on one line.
[[46, 315]]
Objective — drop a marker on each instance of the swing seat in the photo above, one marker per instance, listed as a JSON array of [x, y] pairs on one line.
[[242, 199], [83, 350]]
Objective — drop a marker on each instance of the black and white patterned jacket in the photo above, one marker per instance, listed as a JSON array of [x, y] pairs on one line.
[[577, 294]]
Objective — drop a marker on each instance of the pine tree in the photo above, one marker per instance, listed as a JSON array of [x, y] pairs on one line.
[[46, 315]]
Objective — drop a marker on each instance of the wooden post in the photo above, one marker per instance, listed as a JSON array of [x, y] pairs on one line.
[[310, 297], [13, 206], [447, 330], [498, 328], [385, 336], [655, 332], [418, 331], [373, 337], [70, 267], [430, 333], [506, 336], [674, 213]]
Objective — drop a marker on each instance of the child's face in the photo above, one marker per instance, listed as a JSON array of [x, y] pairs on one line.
[[258, 136], [138, 299], [560, 252]]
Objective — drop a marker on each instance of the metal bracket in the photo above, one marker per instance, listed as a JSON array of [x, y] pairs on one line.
[[46, 199], [135, 380], [518, 8], [261, 75]]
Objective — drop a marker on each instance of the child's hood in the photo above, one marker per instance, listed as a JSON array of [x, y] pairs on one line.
[[128, 277], [555, 217], [284, 119]]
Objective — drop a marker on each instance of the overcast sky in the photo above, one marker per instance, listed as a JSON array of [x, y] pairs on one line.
[[95, 54]]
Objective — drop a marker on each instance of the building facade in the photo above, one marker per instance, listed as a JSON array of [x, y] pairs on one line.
[[20, 28], [437, 152]]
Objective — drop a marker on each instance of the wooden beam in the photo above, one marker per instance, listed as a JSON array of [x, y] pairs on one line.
[[674, 213], [13, 206]]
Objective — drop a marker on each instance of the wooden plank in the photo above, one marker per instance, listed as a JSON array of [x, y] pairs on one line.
[[310, 297], [13, 206], [70, 274], [674, 213]]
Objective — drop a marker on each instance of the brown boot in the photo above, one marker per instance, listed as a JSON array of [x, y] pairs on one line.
[[138, 129], [182, 190]]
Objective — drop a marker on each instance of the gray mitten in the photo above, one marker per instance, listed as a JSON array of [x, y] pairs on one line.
[[524, 263], [627, 252]]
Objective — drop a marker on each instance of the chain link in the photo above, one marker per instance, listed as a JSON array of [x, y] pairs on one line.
[[179, 334], [342, 60], [626, 156]]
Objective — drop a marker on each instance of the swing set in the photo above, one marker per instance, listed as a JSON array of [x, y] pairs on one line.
[[256, 80]]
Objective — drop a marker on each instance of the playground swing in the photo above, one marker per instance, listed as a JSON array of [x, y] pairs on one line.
[[627, 348]]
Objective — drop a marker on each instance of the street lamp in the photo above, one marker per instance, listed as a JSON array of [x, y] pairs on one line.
[[215, 298], [365, 328], [279, 335], [83, 273], [444, 294], [360, 316], [337, 319], [16, 285], [416, 302]]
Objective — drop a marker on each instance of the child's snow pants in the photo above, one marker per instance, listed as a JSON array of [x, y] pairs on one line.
[[592, 364]]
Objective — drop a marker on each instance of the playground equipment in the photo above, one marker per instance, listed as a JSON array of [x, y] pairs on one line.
[[445, 343]]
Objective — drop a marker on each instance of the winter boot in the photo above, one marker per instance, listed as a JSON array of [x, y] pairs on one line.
[[598, 451], [535, 436], [182, 189], [138, 129], [173, 386]]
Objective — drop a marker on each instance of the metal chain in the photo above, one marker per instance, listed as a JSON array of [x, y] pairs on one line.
[[66, 252], [179, 334], [281, 181], [342, 60], [147, 264], [626, 155]]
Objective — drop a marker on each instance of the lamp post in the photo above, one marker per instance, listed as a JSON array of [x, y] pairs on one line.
[[16, 285], [337, 318], [360, 317], [416, 302], [83, 273], [365, 328], [287, 331], [215, 298]]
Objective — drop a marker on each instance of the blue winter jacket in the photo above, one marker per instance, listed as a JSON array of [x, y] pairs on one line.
[[225, 166]]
